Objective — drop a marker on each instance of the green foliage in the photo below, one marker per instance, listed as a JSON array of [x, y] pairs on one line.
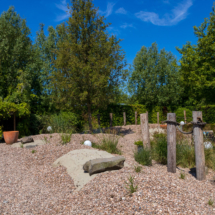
[[137, 168], [143, 157], [159, 148], [130, 185], [89, 63], [138, 143], [155, 78], [65, 138], [210, 202], [21, 146], [33, 151], [182, 175], [197, 65]]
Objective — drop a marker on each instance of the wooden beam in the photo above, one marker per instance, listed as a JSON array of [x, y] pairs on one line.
[[158, 121], [135, 117], [199, 146], [111, 119], [124, 117], [171, 143], [145, 129]]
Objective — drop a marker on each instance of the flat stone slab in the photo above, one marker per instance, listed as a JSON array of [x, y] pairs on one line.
[[74, 161], [29, 145], [104, 164]]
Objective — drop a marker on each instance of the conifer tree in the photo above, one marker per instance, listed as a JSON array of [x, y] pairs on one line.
[[89, 62]]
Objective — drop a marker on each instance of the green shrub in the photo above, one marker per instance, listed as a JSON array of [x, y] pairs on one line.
[[143, 156], [139, 143], [182, 175], [65, 138], [137, 168]]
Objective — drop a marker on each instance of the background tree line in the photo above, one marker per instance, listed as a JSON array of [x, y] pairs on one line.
[[80, 68]]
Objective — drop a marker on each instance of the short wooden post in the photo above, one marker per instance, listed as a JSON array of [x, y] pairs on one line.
[[158, 121], [171, 143], [111, 119], [185, 118], [98, 116], [124, 117], [14, 121], [135, 117], [145, 129], [199, 146]]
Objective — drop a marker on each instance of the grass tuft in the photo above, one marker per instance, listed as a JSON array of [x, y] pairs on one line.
[[143, 157], [210, 202], [130, 185], [33, 151], [182, 175], [65, 138], [138, 168]]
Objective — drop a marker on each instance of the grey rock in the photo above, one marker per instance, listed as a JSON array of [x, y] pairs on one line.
[[104, 164], [27, 140], [31, 146]]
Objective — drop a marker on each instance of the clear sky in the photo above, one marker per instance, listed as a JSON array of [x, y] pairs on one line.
[[138, 22]]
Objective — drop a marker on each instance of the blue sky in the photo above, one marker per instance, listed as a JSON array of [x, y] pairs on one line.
[[138, 22]]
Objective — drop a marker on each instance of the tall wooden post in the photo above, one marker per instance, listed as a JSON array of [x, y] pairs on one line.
[[199, 146], [145, 129], [111, 119], [158, 121], [185, 118], [98, 116], [135, 117], [124, 117], [14, 121], [171, 143]]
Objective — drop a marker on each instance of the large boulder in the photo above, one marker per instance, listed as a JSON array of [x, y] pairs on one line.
[[27, 140], [104, 164]]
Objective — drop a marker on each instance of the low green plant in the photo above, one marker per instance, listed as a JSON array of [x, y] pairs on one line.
[[21, 146], [33, 151], [46, 140], [144, 156], [65, 138], [182, 175], [50, 136], [137, 168], [130, 185], [138, 143], [210, 202], [108, 144]]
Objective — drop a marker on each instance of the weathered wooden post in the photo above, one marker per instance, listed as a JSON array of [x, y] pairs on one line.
[[111, 119], [199, 145], [171, 143], [124, 117], [98, 116], [135, 117], [145, 129], [185, 118], [158, 121]]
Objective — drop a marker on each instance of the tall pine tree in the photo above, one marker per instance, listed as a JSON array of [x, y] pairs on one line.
[[89, 62]]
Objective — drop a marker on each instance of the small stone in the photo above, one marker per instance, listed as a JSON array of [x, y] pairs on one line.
[[123, 198], [27, 140]]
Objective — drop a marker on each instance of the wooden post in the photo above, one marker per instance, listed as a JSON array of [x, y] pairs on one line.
[[124, 116], [135, 117], [185, 118], [158, 121], [111, 119], [171, 143], [98, 116], [145, 129], [14, 121], [199, 146]]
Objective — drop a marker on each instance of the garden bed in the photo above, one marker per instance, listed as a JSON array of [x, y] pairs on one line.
[[30, 185]]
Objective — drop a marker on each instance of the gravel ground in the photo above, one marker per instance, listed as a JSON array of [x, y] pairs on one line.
[[30, 185]]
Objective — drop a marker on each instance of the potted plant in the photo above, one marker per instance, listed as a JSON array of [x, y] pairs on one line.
[[139, 145], [10, 137]]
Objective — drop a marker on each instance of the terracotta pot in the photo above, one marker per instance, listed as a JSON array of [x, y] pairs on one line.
[[11, 137], [163, 126]]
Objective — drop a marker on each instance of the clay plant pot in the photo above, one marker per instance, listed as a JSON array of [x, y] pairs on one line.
[[11, 137], [163, 126]]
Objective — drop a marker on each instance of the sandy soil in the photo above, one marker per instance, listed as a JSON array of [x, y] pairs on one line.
[[31, 185]]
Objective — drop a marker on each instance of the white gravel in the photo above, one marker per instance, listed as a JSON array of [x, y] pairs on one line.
[[31, 185]]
